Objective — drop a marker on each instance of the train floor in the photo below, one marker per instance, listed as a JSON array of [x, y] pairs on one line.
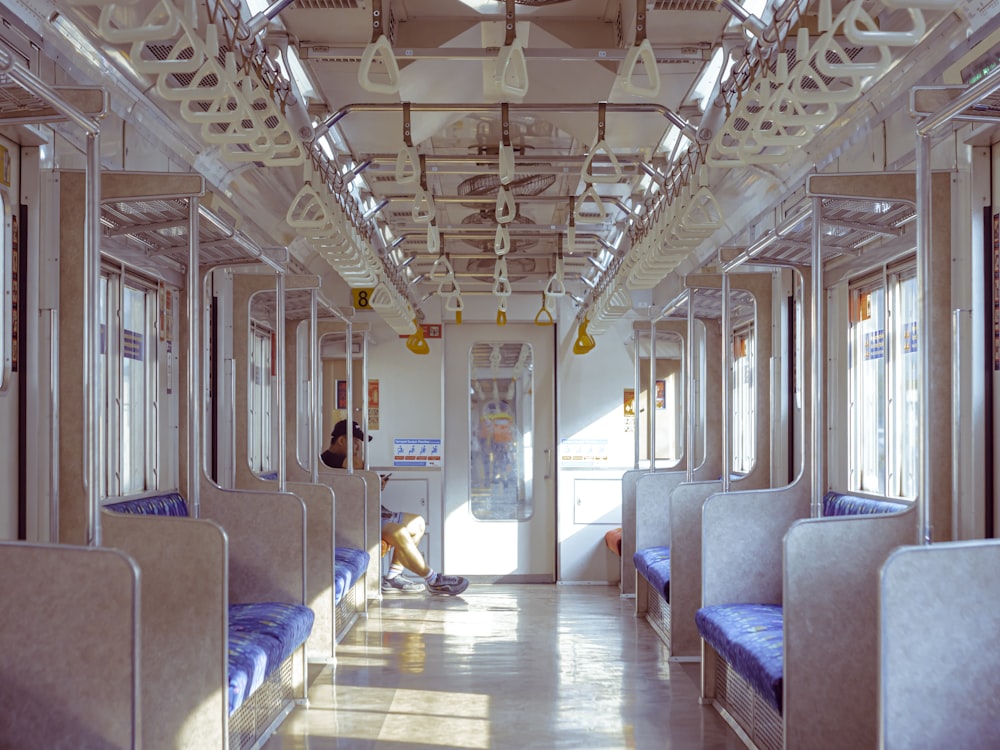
[[504, 666]]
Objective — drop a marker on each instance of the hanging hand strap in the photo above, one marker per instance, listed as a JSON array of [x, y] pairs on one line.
[[641, 51], [601, 147], [543, 317], [506, 148], [584, 341], [423, 211], [378, 49], [511, 72], [408, 166]]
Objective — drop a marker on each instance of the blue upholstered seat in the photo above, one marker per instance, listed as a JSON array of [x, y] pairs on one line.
[[653, 564], [839, 504], [170, 504], [349, 566], [750, 637], [261, 636]]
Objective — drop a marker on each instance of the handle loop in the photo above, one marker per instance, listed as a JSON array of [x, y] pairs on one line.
[[506, 205], [543, 317], [416, 343], [378, 49], [501, 243]]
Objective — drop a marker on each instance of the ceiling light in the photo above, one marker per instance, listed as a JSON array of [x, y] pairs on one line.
[[705, 85]]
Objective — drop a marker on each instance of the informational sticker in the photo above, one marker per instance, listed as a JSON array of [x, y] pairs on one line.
[[582, 452], [362, 299], [341, 394], [373, 412], [416, 452], [661, 394], [430, 331], [874, 344]]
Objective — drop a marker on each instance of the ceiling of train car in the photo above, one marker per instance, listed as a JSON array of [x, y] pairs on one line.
[[447, 52], [573, 172]]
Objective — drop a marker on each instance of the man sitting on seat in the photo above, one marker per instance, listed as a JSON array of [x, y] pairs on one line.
[[401, 531]]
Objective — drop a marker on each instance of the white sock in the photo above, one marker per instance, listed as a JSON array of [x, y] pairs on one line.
[[394, 570], [431, 575]]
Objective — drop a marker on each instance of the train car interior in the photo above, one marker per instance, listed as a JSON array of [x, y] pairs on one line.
[[476, 374]]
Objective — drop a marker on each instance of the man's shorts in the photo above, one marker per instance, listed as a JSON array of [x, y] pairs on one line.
[[391, 516]]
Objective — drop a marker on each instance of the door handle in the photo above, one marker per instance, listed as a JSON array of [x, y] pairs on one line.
[[548, 464]]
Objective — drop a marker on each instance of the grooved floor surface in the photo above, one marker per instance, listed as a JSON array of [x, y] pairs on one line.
[[504, 666]]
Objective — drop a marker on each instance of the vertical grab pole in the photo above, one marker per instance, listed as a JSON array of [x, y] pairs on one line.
[[636, 359], [316, 422], [689, 378], [817, 453], [364, 390], [651, 399], [279, 357], [924, 200], [726, 385], [92, 453], [195, 397], [349, 377]]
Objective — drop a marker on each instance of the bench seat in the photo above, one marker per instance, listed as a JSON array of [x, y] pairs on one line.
[[261, 637], [839, 504], [750, 638], [349, 568], [653, 564]]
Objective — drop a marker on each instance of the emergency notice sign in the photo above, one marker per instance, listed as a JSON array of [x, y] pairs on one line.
[[416, 452]]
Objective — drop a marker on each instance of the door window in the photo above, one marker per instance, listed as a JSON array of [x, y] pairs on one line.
[[500, 408]]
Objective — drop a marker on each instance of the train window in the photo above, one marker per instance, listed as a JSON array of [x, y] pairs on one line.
[[128, 382], [882, 375], [259, 390], [501, 410], [744, 400], [664, 400]]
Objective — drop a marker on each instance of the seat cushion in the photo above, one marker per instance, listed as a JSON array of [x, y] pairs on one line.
[[261, 636], [750, 637], [837, 504], [653, 564], [171, 504], [349, 566], [247, 665]]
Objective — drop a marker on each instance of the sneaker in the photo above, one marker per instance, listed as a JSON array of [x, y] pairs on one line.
[[401, 585], [451, 585]]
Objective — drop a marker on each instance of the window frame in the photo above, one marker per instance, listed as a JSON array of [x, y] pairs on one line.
[[896, 399], [116, 280]]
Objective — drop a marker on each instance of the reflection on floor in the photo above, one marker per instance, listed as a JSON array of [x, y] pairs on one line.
[[504, 666]]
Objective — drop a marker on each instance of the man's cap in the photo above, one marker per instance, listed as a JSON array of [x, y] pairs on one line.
[[341, 429]]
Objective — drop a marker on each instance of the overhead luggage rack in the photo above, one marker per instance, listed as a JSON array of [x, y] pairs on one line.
[[20, 105], [849, 226], [160, 229]]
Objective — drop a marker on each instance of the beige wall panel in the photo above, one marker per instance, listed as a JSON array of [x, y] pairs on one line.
[[831, 627], [267, 532], [320, 589], [69, 648], [685, 564], [742, 537], [184, 625], [359, 521], [939, 660]]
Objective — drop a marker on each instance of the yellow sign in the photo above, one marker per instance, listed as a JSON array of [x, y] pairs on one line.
[[361, 299], [4, 166]]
